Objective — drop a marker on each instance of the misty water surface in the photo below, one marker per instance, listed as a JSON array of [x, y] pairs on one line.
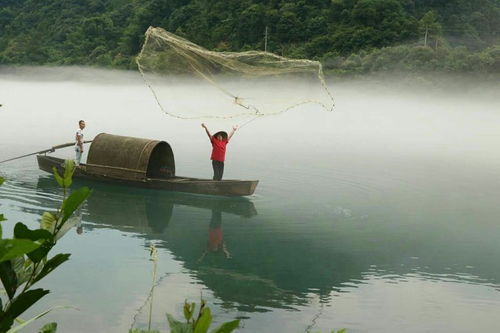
[[381, 216]]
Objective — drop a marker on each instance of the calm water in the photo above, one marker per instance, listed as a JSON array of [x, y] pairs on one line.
[[379, 217]]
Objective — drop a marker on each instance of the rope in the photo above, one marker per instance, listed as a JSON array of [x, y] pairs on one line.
[[248, 122]]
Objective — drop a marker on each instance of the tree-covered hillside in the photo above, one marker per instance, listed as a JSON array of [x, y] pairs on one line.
[[346, 34]]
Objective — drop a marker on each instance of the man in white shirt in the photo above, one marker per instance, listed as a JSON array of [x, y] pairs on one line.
[[79, 142]]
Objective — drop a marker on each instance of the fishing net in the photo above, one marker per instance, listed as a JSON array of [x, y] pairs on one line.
[[191, 82]]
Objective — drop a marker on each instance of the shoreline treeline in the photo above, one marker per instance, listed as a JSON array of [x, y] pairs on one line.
[[348, 36]]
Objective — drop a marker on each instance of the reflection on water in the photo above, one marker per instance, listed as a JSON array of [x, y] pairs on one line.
[[254, 268], [251, 264], [215, 244], [78, 225]]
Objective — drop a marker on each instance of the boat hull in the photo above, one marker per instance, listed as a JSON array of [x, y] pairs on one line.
[[176, 184]]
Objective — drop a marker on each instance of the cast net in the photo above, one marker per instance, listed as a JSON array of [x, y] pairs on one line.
[[191, 82]]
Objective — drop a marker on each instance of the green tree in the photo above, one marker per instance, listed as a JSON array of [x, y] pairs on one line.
[[430, 27]]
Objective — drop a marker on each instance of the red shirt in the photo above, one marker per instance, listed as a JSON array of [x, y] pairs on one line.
[[215, 238], [218, 149]]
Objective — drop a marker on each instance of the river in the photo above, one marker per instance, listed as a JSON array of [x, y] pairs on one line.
[[381, 216]]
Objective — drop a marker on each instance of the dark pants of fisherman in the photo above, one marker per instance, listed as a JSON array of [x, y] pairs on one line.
[[218, 169]]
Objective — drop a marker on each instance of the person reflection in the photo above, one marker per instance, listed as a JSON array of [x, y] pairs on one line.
[[215, 244], [79, 226]]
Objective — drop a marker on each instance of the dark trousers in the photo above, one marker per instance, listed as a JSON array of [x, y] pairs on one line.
[[218, 169]]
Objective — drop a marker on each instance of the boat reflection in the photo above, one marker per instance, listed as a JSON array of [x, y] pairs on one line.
[[144, 210], [191, 228]]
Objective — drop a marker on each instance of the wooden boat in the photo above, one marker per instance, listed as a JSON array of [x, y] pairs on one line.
[[143, 163]]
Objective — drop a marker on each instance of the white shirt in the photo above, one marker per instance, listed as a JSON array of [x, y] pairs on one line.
[[79, 134]]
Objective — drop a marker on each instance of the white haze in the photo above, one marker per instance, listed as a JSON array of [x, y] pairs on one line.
[[41, 108]]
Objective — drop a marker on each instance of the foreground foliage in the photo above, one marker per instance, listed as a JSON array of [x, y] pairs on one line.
[[24, 259], [195, 324], [202, 322]]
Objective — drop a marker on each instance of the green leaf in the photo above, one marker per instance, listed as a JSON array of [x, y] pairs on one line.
[[2, 180], [65, 180], [11, 248], [69, 168], [5, 323], [21, 231], [58, 178], [48, 222], [74, 201], [70, 223], [204, 321], [2, 218], [51, 264], [25, 300], [9, 278], [227, 327], [41, 253], [48, 328], [177, 326], [23, 269], [188, 310]]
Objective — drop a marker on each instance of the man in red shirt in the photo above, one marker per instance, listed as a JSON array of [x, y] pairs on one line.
[[219, 141]]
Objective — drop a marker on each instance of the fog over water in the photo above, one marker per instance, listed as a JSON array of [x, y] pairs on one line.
[[381, 216]]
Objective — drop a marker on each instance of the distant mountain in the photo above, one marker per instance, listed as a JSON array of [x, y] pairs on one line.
[[109, 33]]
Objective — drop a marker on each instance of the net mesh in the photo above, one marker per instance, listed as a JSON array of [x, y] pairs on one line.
[[191, 82]]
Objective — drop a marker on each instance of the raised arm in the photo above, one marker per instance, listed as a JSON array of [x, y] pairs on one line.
[[232, 132], [206, 130]]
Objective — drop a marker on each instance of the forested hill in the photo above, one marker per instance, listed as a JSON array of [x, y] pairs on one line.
[[347, 35]]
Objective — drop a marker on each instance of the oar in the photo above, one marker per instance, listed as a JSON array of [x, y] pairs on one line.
[[50, 150]]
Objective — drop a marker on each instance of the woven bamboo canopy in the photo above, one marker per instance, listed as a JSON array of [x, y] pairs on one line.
[[130, 158]]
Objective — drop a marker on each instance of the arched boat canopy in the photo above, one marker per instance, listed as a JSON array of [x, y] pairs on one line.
[[129, 158]]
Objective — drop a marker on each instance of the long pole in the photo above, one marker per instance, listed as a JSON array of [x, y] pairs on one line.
[[50, 150]]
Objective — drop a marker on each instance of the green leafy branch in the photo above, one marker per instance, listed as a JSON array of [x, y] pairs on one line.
[[24, 259]]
